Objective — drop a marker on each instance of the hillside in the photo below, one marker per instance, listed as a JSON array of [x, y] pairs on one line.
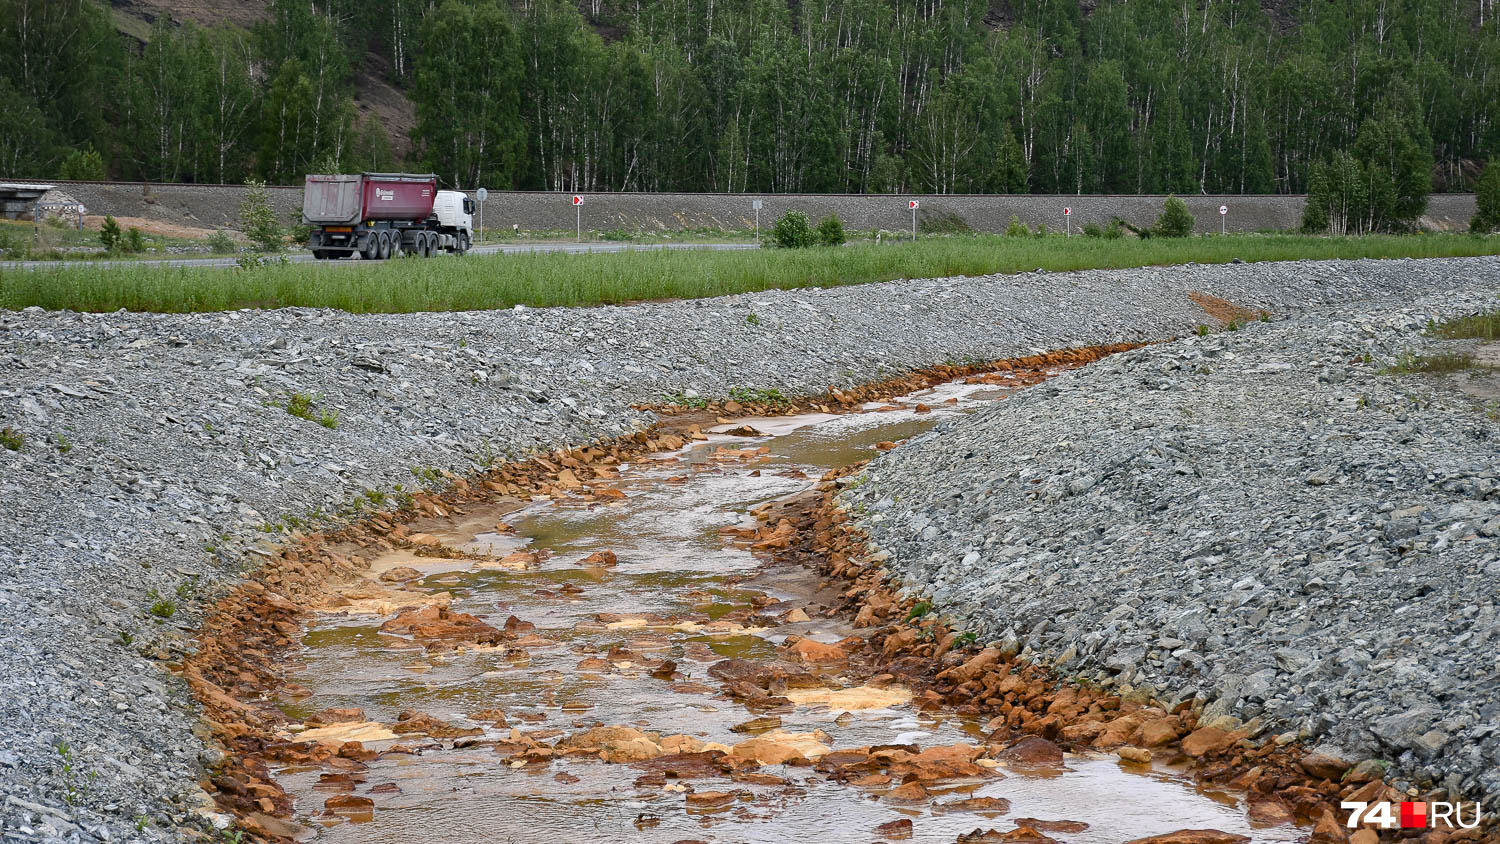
[[1364, 104], [373, 93]]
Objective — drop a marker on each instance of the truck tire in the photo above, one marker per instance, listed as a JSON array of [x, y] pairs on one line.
[[384, 246], [371, 249], [397, 246], [463, 243], [429, 244]]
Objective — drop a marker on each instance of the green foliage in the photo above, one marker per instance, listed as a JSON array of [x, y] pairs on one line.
[[1484, 326], [161, 607], [83, 165], [1382, 185], [831, 231], [919, 610], [1114, 231], [110, 234], [791, 231], [1487, 199], [1092, 230], [1408, 363], [12, 439], [752, 318], [942, 222], [1016, 228], [258, 220], [221, 243], [135, 241], [1175, 219], [758, 395]]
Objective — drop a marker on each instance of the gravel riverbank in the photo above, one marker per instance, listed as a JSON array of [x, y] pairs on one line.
[[159, 457], [1266, 520]]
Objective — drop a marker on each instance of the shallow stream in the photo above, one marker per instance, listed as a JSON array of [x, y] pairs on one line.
[[683, 592]]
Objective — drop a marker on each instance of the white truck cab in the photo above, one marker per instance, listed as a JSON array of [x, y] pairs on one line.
[[455, 214]]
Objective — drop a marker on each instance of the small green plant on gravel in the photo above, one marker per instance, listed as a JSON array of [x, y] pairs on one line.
[[920, 609], [141, 823], [186, 588], [61, 441], [759, 395], [300, 405], [967, 639], [1265, 316], [1484, 326], [329, 419], [12, 439], [1202, 331], [1234, 325], [753, 318], [161, 607], [72, 790], [1409, 362], [126, 638], [684, 400]]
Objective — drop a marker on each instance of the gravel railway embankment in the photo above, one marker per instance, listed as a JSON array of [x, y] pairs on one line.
[[159, 458]]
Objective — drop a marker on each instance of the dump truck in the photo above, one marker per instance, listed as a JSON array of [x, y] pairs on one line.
[[385, 215]]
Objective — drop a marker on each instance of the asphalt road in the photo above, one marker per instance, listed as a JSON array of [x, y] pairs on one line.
[[306, 257]]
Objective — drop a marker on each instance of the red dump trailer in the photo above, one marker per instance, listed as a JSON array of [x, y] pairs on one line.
[[382, 215]]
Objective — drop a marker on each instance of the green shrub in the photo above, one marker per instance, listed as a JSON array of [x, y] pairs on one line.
[[1487, 200], [257, 219], [110, 234], [831, 231], [792, 231], [135, 241], [1092, 230], [221, 243], [1175, 219], [1017, 228], [1114, 231], [12, 439]]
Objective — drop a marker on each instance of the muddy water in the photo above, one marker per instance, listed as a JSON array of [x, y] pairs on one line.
[[680, 592]]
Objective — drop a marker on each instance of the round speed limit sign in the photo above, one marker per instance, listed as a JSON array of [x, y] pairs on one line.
[[1223, 209]]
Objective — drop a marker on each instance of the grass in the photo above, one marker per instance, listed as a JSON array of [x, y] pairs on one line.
[[1442, 363], [479, 283], [1477, 327]]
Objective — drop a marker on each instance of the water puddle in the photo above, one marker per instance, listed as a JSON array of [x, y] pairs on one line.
[[468, 741]]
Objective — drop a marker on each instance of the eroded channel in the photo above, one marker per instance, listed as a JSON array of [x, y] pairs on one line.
[[602, 710]]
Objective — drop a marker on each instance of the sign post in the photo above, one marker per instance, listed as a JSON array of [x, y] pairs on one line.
[[1067, 222], [481, 195], [913, 206], [756, 204], [1223, 215], [578, 215]]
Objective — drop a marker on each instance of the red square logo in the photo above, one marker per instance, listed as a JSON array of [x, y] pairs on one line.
[[1413, 815]]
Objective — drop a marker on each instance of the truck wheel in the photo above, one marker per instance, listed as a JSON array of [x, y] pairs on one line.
[[429, 244], [463, 244], [319, 255], [385, 246], [371, 249], [397, 245]]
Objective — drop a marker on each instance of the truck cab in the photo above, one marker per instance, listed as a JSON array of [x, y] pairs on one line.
[[455, 214]]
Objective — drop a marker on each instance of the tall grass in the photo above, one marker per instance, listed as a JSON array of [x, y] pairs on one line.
[[476, 283]]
